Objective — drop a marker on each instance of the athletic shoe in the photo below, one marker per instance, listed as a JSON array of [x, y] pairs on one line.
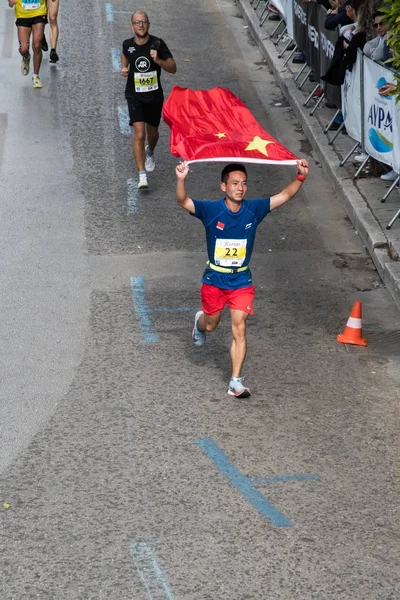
[[299, 58], [391, 176], [236, 388], [25, 64], [45, 45], [53, 56], [142, 185], [198, 337], [36, 83], [150, 162], [360, 157], [273, 16]]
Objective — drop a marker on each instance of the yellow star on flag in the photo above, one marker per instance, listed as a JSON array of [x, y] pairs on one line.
[[259, 144], [220, 135]]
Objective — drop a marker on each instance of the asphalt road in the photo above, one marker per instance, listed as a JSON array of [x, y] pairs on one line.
[[128, 471]]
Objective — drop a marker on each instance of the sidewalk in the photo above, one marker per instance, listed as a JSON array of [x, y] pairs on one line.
[[361, 197]]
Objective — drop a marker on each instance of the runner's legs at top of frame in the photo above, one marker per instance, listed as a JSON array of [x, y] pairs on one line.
[[35, 27], [145, 119], [52, 14]]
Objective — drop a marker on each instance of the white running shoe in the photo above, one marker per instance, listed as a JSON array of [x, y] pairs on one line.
[[391, 176], [142, 185], [360, 157], [25, 64], [36, 83], [236, 388], [198, 336], [150, 162]]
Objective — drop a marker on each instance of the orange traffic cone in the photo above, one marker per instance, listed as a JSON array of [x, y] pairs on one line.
[[353, 332]]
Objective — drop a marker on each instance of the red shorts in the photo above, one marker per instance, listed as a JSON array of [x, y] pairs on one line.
[[213, 299]]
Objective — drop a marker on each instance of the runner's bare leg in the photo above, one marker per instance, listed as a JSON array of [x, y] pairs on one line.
[[24, 33], [52, 13], [139, 137], [239, 344], [152, 136], [37, 37]]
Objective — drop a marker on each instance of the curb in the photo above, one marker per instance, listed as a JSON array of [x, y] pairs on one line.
[[356, 207]]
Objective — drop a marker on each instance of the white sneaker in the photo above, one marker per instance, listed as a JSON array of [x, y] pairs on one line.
[[360, 157], [150, 162], [236, 388], [36, 83], [391, 176], [143, 185], [25, 65]]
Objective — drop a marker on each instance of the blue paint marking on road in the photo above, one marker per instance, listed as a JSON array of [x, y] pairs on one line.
[[150, 572], [116, 59], [123, 120], [142, 310], [243, 484], [109, 12], [284, 478], [132, 196]]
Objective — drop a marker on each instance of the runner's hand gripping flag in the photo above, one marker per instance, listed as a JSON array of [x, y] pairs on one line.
[[214, 125]]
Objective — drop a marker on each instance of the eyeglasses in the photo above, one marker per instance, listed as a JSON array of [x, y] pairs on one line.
[[377, 25], [140, 22]]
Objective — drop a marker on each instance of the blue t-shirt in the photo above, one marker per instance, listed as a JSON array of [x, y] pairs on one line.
[[230, 239]]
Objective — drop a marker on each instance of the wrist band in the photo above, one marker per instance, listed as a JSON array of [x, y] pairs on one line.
[[300, 177]]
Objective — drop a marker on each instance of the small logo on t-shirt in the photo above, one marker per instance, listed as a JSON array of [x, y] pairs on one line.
[[248, 225], [142, 64], [131, 49], [220, 225]]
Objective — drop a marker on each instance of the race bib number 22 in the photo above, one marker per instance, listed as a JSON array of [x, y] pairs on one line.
[[230, 253]]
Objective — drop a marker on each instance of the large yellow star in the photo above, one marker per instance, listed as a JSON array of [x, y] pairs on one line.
[[220, 135], [259, 144]]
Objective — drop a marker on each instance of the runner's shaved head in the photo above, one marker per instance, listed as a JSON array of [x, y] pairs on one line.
[[140, 13]]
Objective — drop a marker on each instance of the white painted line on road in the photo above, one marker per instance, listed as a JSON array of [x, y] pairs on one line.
[[116, 59], [150, 572], [132, 195], [123, 119]]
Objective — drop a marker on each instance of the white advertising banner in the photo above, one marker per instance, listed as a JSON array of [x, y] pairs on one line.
[[285, 8], [396, 136], [380, 123], [351, 100]]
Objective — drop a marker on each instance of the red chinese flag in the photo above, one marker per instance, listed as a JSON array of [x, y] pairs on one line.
[[215, 125]]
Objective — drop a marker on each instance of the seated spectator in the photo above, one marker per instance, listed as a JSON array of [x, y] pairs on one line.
[[377, 48], [352, 36], [338, 16], [326, 3]]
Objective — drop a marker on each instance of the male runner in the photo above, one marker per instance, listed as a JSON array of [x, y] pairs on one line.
[[52, 13], [230, 225], [143, 57], [30, 18]]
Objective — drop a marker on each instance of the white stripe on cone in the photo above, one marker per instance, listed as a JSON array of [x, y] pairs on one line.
[[354, 323]]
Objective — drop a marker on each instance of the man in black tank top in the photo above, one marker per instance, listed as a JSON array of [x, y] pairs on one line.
[[143, 58]]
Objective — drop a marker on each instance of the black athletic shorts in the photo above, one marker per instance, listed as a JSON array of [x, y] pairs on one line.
[[145, 112], [32, 21]]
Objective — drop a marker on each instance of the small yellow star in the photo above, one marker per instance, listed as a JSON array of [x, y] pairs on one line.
[[220, 135], [259, 144]]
